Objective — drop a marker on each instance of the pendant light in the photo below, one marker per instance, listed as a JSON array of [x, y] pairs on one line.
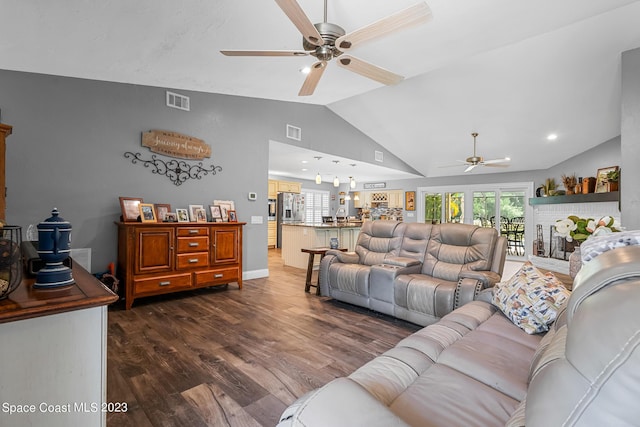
[[336, 182], [318, 179], [352, 182]]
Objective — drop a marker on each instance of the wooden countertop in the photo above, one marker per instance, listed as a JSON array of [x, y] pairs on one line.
[[26, 302]]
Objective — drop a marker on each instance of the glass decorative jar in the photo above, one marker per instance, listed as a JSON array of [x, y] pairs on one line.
[[10, 259]]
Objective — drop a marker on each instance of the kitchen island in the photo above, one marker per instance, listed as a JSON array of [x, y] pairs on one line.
[[296, 236]]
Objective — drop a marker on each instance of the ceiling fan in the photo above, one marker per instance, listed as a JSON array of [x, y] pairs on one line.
[[326, 41], [475, 160]]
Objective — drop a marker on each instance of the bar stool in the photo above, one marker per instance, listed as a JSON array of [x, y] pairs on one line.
[[312, 255]]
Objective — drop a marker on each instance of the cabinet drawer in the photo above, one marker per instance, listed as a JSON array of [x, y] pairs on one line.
[[220, 275], [196, 259], [193, 244], [193, 231], [160, 284]]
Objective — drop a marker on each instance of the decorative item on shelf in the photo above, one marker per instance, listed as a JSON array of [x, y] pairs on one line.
[[613, 177], [578, 187], [54, 247], [588, 185], [602, 178], [549, 187], [569, 182], [10, 259]]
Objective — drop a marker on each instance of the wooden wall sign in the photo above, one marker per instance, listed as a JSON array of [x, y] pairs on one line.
[[174, 144]]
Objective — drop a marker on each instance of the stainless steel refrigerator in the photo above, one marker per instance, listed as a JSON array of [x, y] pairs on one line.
[[290, 210]]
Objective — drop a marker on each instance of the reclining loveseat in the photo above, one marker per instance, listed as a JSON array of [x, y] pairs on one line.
[[414, 271], [476, 368]]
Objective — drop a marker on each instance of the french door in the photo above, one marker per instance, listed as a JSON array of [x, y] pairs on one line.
[[504, 207]]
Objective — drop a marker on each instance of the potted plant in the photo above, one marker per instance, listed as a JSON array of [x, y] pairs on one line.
[[613, 177]]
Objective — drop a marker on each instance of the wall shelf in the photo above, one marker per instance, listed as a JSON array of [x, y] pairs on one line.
[[611, 196]]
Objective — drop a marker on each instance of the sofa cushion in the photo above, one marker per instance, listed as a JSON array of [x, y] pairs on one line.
[[531, 299], [456, 247], [378, 240]]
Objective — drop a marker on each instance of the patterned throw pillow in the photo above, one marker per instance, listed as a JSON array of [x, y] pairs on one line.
[[530, 299], [594, 246]]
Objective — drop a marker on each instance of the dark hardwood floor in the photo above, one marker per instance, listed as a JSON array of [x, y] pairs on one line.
[[229, 357]]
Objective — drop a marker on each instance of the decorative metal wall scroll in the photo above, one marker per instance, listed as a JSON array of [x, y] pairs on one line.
[[178, 171]]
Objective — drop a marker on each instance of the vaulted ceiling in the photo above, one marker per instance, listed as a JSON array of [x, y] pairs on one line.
[[513, 71]]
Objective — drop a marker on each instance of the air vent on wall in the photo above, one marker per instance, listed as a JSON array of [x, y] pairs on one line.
[[175, 100], [294, 133], [379, 156]]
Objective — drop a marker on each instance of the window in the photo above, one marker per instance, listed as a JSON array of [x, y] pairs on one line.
[[316, 205]]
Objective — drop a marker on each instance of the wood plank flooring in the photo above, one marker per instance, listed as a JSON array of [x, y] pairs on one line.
[[229, 357]]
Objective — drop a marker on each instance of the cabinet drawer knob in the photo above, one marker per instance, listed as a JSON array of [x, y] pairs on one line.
[[193, 231], [193, 245], [218, 276], [193, 260], [167, 283]]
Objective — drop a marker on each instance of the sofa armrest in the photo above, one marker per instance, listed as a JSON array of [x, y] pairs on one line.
[[342, 402], [344, 257], [487, 278], [402, 261]]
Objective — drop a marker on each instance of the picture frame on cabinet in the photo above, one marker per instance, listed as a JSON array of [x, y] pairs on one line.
[[233, 217], [201, 215], [192, 212], [216, 213], [225, 207], [171, 217], [183, 215], [130, 207], [147, 212], [601, 178], [162, 209]]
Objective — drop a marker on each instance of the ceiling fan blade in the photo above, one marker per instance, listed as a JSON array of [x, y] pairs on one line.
[[265, 52], [292, 9], [496, 165], [470, 168], [495, 161], [411, 16], [369, 70], [312, 79]]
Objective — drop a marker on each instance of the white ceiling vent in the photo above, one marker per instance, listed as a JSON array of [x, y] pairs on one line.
[[294, 133], [175, 100], [379, 156]]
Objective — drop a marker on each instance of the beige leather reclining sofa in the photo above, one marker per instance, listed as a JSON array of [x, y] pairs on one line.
[[414, 271], [476, 368]]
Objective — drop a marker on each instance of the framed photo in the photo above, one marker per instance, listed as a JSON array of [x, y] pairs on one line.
[[183, 215], [192, 212], [147, 212], [601, 179], [130, 207], [232, 216], [162, 210], [170, 217], [216, 213], [201, 215], [225, 207], [410, 200]]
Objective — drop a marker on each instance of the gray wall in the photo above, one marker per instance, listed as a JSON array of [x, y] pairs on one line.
[[70, 135], [630, 126]]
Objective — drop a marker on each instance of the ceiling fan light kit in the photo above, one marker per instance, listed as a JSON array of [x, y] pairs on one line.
[[326, 41]]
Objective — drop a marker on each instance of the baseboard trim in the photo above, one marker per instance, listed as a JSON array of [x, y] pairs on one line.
[[255, 274]]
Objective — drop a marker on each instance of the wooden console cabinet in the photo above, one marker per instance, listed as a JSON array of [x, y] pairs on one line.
[[159, 258]]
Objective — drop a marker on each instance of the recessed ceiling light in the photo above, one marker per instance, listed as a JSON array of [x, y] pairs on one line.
[[305, 70], [552, 137], [304, 169], [305, 161]]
